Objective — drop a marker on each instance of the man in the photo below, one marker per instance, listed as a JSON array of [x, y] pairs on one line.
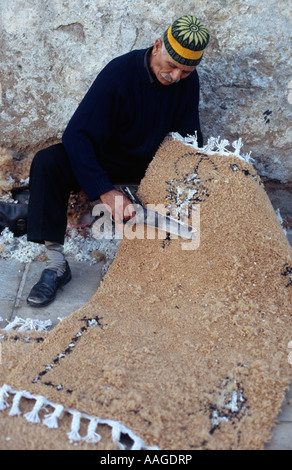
[[135, 101]]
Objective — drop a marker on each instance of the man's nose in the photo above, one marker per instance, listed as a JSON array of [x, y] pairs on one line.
[[175, 75]]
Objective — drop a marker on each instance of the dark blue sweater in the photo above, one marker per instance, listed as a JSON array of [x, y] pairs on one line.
[[124, 117]]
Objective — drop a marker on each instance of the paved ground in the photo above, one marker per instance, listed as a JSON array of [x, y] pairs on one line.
[[17, 280]]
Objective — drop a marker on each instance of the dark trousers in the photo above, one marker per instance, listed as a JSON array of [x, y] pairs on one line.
[[50, 184]]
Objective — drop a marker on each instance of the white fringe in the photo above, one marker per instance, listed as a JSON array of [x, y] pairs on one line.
[[15, 411], [51, 420], [28, 324], [280, 218], [33, 416], [215, 146], [75, 426], [4, 393], [92, 436]]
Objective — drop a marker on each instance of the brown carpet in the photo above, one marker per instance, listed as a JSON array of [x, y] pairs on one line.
[[180, 348], [16, 432]]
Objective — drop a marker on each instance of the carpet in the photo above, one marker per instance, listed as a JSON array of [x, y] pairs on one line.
[[184, 345], [17, 431]]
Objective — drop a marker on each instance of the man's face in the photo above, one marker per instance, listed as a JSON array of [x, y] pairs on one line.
[[166, 70]]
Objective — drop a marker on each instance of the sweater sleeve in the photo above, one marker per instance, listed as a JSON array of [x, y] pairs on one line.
[[88, 134]]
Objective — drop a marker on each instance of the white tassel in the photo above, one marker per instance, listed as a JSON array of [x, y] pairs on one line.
[[221, 146], [11, 325], [209, 147], [15, 411], [75, 426], [237, 144], [116, 433], [92, 436], [4, 393], [51, 420], [192, 140], [33, 416]]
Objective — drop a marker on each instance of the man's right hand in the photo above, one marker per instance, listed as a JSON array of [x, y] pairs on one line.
[[120, 206]]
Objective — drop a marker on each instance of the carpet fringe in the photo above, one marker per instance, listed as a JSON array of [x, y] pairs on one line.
[[27, 325], [215, 146], [51, 420]]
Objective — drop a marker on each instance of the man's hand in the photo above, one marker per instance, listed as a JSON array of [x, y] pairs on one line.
[[120, 206]]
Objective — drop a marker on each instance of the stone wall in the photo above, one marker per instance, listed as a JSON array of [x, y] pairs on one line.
[[51, 51]]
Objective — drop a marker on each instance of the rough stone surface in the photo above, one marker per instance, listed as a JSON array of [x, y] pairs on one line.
[[52, 50]]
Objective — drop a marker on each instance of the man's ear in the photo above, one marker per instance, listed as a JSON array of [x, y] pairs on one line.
[[157, 47]]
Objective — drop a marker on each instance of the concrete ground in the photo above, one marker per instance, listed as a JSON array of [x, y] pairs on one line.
[[17, 279]]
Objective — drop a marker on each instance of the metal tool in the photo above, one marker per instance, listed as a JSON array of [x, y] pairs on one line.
[[157, 220]]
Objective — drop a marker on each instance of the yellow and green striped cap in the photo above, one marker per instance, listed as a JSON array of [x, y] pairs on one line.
[[185, 40]]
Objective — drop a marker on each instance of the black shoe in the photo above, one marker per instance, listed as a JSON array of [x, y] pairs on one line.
[[45, 290]]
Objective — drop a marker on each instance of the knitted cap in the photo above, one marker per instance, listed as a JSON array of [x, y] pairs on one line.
[[185, 40]]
